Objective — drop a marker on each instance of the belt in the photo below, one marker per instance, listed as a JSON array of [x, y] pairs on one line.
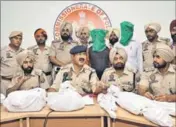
[[47, 73], [6, 78]]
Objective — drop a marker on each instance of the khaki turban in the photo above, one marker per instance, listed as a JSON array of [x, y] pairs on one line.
[[155, 26], [115, 30], [164, 51], [82, 29], [120, 51], [15, 33], [21, 57], [68, 26]]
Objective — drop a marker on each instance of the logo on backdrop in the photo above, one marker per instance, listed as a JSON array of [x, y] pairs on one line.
[[82, 14]]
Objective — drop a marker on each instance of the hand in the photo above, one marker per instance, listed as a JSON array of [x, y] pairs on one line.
[[102, 85], [22, 79], [149, 95], [51, 90], [162, 98]]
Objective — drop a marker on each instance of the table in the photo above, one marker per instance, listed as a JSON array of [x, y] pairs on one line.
[[90, 116], [127, 119]]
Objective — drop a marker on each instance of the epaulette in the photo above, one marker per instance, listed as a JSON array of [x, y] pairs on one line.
[[32, 47]]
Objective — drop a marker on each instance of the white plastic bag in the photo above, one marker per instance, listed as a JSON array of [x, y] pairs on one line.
[[108, 101], [67, 99], [158, 116], [133, 103], [26, 100]]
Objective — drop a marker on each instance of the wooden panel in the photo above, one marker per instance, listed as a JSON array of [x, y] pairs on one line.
[[14, 123], [122, 123], [67, 122]]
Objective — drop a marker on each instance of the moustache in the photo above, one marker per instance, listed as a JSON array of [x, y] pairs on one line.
[[81, 59]]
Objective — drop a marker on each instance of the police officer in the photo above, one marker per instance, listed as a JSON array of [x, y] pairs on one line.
[[27, 77], [159, 84], [173, 36], [113, 37], [59, 53], [8, 59], [41, 52], [117, 74], [151, 31], [82, 77]]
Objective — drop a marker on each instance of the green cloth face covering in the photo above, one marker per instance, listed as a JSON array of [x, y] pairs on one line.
[[98, 39], [126, 32]]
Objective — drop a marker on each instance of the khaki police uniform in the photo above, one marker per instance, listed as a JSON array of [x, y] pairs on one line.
[[158, 84], [61, 50], [173, 47], [8, 66], [42, 61], [36, 79], [83, 82], [147, 48], [125, 81]]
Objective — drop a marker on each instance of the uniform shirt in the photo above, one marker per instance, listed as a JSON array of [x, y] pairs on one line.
[[124, 81], [37, 79], [62, 51], [158, 84], [173, 47], [134, 52], [147, 48], [9, 64], [83, 82], [42, 58]]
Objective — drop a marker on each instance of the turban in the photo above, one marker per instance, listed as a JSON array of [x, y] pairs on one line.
[[21, 57], [68, 26], [155, 26], [39, 32], [115, 30], [120, 51], [82, 29], [164, 51], [172, 24], [15, 33]]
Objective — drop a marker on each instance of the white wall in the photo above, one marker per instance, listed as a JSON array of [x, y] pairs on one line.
[[27, 16]]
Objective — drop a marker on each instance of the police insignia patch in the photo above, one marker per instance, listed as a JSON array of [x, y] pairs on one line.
[[111, 77]]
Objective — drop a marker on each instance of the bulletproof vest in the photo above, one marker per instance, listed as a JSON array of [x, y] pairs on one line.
[[99, 60]]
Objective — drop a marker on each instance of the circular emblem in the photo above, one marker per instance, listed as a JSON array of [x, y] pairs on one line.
[[82, 14]]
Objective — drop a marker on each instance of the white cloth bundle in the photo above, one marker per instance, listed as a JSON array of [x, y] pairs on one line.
[[158, 116], [157, 112], [67, 99], [26, 100], [108, 101], [133, 103]]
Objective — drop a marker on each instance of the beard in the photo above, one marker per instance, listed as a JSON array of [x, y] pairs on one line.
[[40, 41], [27, 70], [113, 41], [119, 66], [173, 36], [157, 65], [151, 38], [65, 37]]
